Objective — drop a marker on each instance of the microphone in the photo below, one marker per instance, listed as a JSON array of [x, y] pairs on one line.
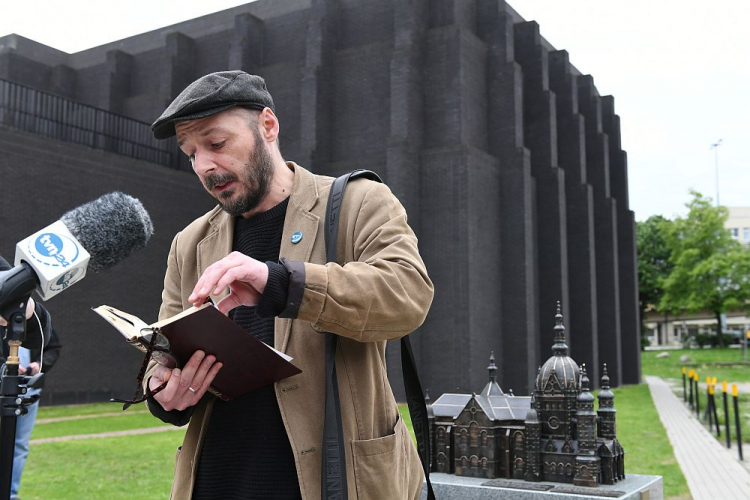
[[96, 236]]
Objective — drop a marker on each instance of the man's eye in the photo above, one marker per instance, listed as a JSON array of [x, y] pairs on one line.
[[218, 145]]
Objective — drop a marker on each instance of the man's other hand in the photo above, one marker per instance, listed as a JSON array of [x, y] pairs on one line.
[[187, 386]]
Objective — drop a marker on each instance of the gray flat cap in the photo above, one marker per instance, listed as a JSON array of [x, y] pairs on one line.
[[212, 94]]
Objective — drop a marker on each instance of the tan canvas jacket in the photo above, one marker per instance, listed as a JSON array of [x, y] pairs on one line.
[[382, 292]]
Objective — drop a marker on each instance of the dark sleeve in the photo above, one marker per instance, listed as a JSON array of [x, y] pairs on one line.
[[174, 417], [296, 272], [273, 300], [51, 351]]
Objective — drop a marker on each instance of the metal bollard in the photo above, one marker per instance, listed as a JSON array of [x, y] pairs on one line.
[[690, 376], [737, 419], [684, 385], [713, 405], [708, 414], [712, 412], [726, 413], [697, 398]]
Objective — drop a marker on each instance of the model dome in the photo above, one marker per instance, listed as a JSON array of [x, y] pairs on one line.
[[560, 372]]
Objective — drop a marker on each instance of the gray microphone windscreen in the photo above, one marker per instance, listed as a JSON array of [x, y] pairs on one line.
[[110, 228]]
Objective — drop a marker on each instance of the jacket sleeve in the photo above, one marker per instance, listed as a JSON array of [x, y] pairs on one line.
[[51, 351], [171, 296], [171, 304], [384, 292]]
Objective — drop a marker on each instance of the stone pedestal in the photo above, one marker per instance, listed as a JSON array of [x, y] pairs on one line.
[[450, 487]]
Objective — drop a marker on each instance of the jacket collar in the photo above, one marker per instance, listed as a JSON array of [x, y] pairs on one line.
[[305, 195], [301, 221]]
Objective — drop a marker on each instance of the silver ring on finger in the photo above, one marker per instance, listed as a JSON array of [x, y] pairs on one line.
[[190, 388]]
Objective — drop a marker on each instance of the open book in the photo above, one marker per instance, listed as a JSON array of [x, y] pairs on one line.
[[248, 362]]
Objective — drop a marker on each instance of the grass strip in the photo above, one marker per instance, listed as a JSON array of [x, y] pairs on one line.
[[92, 409], [724, 364], [95, 425]]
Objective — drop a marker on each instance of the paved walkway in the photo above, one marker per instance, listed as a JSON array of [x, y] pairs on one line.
[[712, 471], [99, 435]]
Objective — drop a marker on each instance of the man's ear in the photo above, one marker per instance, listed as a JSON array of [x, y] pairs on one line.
[[269, 125]]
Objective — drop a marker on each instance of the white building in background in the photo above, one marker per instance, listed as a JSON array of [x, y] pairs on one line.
[[738, 224], [669, 330]]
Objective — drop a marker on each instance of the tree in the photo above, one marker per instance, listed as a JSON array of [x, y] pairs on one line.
[[710, 268], [653, 261]]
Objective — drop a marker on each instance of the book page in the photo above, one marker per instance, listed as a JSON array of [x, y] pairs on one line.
[[285, 356], [131, 327], [184, 313]]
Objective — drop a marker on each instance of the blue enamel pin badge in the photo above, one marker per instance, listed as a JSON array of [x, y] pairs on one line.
[[296, 237]]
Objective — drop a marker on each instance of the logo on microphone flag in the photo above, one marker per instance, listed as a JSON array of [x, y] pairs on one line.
[[57, 257], [52, 249]]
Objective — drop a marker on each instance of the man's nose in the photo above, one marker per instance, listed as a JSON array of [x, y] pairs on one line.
[[203, 163]]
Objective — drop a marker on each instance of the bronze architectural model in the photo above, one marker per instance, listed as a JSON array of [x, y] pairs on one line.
[[553, 435]]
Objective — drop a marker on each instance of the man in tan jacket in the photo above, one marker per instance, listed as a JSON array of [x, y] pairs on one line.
[[260, 254]]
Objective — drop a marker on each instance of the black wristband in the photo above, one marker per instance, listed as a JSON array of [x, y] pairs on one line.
[[296, 272], [274, 297]]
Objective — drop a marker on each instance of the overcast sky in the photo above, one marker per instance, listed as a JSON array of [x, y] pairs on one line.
[[679, 71]]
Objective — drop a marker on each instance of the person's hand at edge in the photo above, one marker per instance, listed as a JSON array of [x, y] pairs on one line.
[[30, 305]]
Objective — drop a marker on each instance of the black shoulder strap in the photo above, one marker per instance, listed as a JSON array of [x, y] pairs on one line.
[[333, 484], [334, 205]]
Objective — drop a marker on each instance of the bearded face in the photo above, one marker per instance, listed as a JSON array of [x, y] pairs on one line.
[[254, 181]]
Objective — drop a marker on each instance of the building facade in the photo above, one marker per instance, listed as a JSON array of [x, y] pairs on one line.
[[738, 223], [506, 157]]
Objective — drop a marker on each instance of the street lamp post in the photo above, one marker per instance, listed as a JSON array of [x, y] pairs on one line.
[[715, 147]]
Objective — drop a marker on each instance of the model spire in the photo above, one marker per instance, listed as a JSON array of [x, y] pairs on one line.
[[492, 388], [492, 368], [560, 348]]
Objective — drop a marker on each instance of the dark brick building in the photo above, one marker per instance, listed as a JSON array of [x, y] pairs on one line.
[[507, 159]]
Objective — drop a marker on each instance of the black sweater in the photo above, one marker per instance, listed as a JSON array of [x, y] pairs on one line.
[[246, 452]]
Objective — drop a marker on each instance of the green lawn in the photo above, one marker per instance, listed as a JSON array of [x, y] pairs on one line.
[[724, 364], [109, 468], [113, 468]]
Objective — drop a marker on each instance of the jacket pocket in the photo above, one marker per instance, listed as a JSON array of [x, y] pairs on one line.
[[381, 470]]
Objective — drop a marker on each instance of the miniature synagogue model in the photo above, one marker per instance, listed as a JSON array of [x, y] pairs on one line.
[[553, 435]]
